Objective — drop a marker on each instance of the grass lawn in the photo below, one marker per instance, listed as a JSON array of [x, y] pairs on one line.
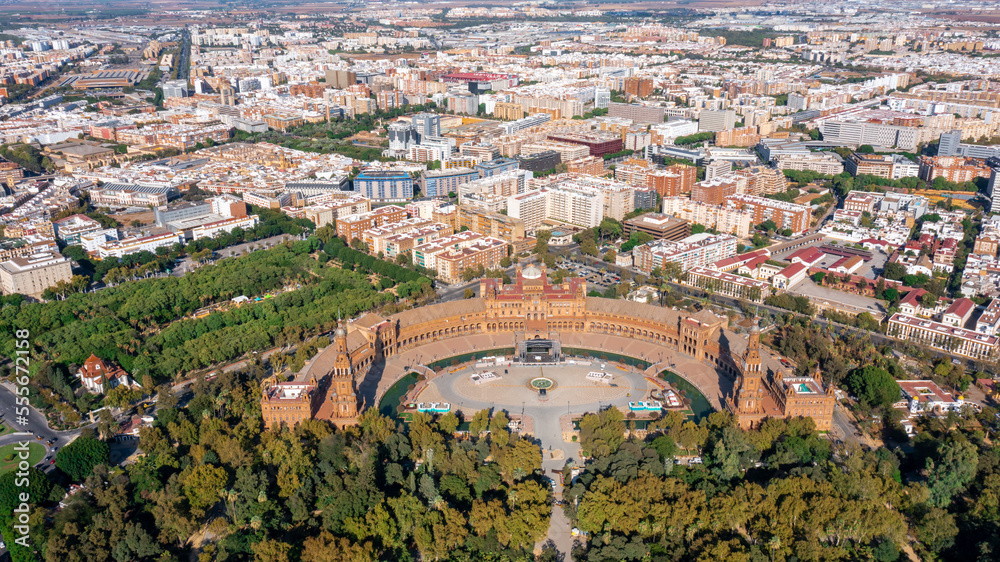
[[5, 428], [9, 459]]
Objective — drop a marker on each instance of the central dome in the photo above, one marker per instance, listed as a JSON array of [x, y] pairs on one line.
[[531, 272]]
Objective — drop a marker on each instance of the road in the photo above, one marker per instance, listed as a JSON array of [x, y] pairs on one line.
[[842, 425], [36, 425], [184, 56], [457, 291]]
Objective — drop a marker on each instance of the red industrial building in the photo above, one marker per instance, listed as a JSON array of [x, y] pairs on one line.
[[599, 145]]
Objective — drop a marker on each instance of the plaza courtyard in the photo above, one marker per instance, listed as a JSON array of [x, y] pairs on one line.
[[512, 388]]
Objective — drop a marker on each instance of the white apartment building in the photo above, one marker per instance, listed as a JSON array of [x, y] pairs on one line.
[[567, 151], [724, 219], [504, 184], [119, 248], [617, 198], [582, 207], [32, 274], [698, 250], [674, 129], [525, 123], [530, 207], [819, 162], [213, 229], [858, 133], [92, 240], [72, 227]]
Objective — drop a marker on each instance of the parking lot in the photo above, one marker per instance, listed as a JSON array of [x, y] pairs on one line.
[[819, 295], [595, 278]]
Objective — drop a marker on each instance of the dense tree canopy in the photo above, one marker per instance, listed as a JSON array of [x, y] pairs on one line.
[[873, 386], [79, 458], [373, 492], [149, 326], [780, 493]]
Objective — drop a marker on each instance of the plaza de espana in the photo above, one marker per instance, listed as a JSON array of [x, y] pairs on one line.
[[532, 308]]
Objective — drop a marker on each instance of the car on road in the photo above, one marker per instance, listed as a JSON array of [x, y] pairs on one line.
[[39, 437]]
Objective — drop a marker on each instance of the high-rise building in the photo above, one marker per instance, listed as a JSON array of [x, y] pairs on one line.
[[175, 89], [952, 168], [402, 135], [438, 183], [427, 125], [602, 98], [717, 168], [949, 143], [529, 207], [636, 112], [227, 95], [341, 79], [508, 110], [790, 216], [714, 191], [994, 183], [719, 217], [860, 164], [539, 161], [639, 87], [590, 165], [717, 120], [395, 185]]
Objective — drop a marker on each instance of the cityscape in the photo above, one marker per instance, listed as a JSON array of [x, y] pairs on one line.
[[585, 281]]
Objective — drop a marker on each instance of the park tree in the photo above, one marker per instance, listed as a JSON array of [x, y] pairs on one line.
[[601, 434], [673, 271], [480, 421], [542, 241], [203, 486], [35, 483], [610, 229], [894, 270], [950, 471], [731, 454], [928, 300], [79, 458], [873, 386]]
